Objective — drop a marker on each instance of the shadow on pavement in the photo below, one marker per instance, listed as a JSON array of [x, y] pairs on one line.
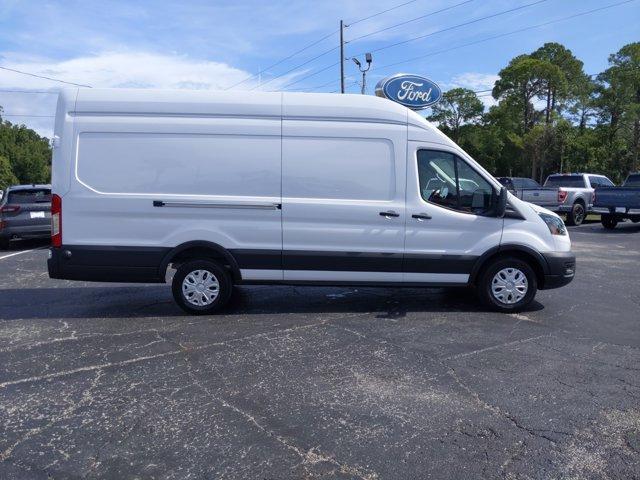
[[150, 301], [19, 245]]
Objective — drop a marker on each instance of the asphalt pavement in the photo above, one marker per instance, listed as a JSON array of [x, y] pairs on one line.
[[114, 381]]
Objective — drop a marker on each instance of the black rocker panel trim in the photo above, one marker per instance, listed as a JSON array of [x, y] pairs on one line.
[[341, 261], [141, 264], [416, 263], [353, 261]]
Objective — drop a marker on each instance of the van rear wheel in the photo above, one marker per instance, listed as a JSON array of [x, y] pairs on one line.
[[201, 287], [507, 285]]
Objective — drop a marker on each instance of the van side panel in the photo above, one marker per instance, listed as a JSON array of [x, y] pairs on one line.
[[337, 179], [153, 182]]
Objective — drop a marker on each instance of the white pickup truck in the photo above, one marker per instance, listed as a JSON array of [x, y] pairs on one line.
[[575, 194]]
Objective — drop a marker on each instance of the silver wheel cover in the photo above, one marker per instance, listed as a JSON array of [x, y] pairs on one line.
[[509, 286], [200, 288]]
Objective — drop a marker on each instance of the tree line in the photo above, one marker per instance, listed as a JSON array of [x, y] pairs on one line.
[[551, 116], [25, 156]]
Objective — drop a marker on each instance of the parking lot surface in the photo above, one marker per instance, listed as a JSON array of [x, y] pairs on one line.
[[114, 381]]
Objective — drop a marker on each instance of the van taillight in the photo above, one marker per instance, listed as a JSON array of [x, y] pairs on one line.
[[56, 221], [562, 195]]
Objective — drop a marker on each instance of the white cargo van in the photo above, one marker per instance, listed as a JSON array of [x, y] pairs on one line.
[[287, 188]]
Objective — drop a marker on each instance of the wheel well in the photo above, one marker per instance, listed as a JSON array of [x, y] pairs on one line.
[[184, 253], [580, 201], [529, 258]]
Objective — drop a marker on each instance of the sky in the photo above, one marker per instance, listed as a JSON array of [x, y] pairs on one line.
[[253, 44]]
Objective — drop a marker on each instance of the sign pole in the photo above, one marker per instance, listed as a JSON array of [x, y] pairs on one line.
[[341, 56]]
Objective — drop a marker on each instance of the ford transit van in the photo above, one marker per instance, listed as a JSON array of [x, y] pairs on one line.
[[236, 188]]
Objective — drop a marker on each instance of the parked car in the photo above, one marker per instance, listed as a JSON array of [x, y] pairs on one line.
[[530, 191], [621, 203], [25, 212], [575, 194], [285, 188]]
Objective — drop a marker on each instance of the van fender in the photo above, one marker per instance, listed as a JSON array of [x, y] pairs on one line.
[[541, 262], [219, 251]]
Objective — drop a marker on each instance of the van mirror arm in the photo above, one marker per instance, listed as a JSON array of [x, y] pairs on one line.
[[501, 203]]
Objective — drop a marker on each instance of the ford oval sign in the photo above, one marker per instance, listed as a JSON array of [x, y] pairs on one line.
[[412, 91]]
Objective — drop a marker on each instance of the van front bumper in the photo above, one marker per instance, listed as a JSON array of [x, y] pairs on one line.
[[561, 268]]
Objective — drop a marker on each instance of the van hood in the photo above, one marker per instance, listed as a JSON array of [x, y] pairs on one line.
[[538, 209]]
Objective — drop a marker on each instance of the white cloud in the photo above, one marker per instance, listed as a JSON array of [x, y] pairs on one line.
[[476, 81], [113, 69]]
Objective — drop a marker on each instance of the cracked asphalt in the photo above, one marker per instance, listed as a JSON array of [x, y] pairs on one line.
[[114, 381]]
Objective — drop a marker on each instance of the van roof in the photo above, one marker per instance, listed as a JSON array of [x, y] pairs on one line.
[[206, 103], [87, 101]]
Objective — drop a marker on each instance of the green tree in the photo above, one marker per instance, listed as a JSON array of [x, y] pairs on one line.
[[7, 177], [28, 153], [619, 103], [457, 107], [523, 80], [559, 89]]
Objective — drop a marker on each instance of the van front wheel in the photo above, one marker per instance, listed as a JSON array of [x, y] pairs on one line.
[[201, 287], [507, 285]]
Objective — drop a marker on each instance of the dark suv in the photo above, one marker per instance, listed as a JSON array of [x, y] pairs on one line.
[[25, 212]]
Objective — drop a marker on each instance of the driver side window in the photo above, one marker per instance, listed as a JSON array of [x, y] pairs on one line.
[[448, 181]]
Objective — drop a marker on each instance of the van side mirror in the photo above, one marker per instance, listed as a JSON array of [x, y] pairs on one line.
[[501, 203]]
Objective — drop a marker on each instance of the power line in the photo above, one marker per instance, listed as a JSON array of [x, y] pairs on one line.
[[405, 41], [298, 66], [44, 77], [283, 60], [279, 62], [408, 21], [315, 43], [503, 12], [312, 74], [323, 85], [380, 13], [513, 32], [347, 86]]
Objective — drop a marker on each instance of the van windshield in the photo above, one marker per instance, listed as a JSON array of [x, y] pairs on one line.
[[576, 181]]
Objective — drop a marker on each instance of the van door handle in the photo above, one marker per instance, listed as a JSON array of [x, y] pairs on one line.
[[389, 214], [421, 216]]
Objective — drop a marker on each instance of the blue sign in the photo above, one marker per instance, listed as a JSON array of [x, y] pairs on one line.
[[412, 91]]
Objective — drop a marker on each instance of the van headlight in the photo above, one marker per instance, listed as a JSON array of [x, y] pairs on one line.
[[555, 224]]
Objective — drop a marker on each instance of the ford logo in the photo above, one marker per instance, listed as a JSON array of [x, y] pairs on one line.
[[412, 91]]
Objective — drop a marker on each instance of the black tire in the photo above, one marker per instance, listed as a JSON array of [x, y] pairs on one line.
[[224, 287], [485, 284], [577, 214], [4, 243], [609, 221]]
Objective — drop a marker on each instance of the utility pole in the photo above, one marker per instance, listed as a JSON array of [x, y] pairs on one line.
[[341, 56]]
